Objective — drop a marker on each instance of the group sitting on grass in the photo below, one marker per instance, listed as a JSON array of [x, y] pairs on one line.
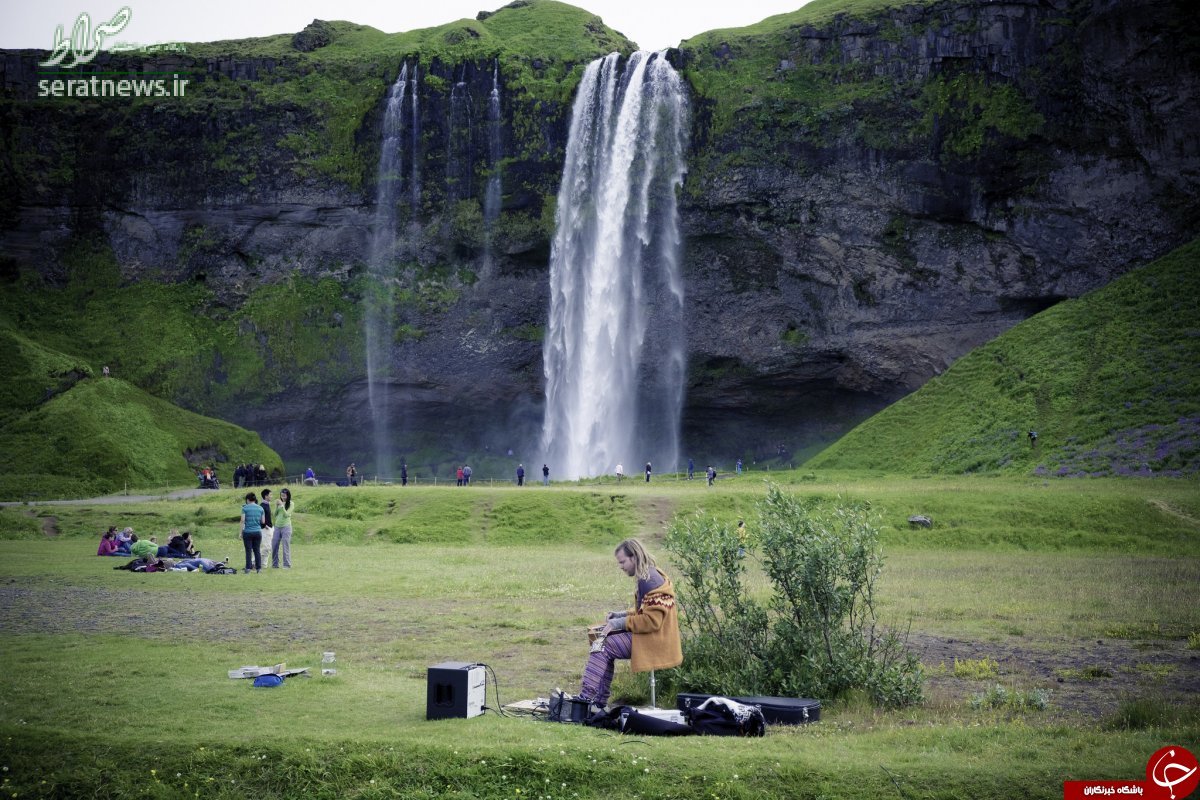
[[178, 554]]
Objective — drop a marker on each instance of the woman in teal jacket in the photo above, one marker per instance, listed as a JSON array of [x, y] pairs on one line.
[[252, 519]]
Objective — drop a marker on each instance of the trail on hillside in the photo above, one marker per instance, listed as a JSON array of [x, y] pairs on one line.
[[1167, 508]]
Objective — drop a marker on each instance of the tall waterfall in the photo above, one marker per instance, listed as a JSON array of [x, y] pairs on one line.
[[614, 353], [378, 315]]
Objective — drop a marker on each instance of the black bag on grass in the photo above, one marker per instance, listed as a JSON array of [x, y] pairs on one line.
[[720, 716], [627, 719]]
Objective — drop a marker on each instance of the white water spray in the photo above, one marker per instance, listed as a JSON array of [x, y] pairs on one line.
[[377, 316], [614, 352]]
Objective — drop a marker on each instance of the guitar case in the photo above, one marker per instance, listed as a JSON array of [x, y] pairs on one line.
[[776, 710]]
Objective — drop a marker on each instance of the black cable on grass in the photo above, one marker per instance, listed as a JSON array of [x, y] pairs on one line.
[[499, 709]]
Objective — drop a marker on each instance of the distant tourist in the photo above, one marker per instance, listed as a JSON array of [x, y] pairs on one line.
[[108, 543], [281, 539], [310, 477], [466, 474], [711, 474], [647, 472], [143, 548], [691, 469], [738, 466], [251, 531], [458, 477], [260, 475], [105, 371], [620, 473], [404, 474], [352, 475], [545, 475], [125, 542], [520, 474]]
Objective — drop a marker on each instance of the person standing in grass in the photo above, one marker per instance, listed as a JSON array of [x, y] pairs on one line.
[[545, 474], [647, 634], [282, 538], [251, 532]]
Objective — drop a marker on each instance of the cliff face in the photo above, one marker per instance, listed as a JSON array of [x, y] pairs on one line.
[[867, 200], [951, 170]]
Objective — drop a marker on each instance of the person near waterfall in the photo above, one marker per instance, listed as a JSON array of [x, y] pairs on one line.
[[647, 472], [647, 634]]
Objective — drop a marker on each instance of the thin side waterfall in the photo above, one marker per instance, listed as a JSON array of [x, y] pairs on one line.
[[491, 197], [459, 134], [614, 354], [415, 183], [379, 323]]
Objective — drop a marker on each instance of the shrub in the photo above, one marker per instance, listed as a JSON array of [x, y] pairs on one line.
[[976, 668], [1012, 699], [819, 635]]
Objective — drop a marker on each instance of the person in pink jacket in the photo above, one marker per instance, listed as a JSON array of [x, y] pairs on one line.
[[108, 543]]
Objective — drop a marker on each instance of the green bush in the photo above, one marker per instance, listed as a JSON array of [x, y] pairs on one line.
[[819, 634], [1011, 699]]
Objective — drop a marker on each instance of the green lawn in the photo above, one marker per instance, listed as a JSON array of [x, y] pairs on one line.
[[114, 684]]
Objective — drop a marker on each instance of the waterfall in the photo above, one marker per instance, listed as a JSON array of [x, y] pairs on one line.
[[614, 355], [378, 311], [415, 183], [491, 197], [458, 140]]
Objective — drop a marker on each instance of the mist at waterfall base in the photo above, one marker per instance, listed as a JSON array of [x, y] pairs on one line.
[[614, 356]]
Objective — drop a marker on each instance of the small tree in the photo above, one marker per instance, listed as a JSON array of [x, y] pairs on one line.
[[817, 634]]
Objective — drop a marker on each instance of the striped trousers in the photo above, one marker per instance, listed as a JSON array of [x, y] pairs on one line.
[[598, 674]]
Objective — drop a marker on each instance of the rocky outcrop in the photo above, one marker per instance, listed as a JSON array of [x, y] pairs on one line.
[[867, 200]]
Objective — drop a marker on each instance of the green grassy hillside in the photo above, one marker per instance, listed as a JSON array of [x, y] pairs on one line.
[[66, 433], [1110, 382]]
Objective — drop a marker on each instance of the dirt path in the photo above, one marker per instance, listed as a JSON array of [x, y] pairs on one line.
[[1167, 508], [1085, 678], [112, 499]]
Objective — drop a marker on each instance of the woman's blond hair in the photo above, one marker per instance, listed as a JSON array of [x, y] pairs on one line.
[[643, 562]]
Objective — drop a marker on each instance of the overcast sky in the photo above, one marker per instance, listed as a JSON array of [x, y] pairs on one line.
[[653, 24]]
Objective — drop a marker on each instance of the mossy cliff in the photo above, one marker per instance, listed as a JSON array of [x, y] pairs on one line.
[[873, 190]]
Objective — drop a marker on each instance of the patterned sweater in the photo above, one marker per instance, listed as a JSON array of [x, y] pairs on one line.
[[654, 624]]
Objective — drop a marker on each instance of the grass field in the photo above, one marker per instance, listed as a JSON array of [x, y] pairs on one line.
[[114, 684]]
